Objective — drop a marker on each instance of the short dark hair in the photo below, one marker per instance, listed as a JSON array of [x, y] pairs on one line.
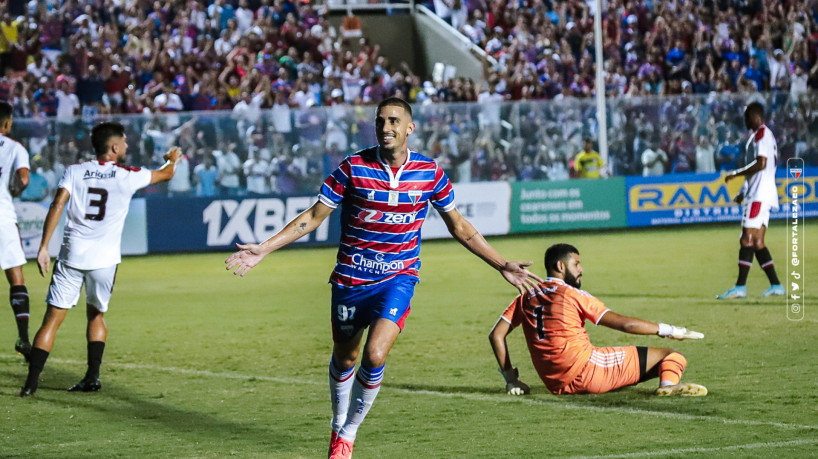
[[558, 252], [102, 133], [5, 111], [395, 101], [755, 108]]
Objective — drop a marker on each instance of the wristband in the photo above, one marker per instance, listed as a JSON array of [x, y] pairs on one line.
[[510, 375]]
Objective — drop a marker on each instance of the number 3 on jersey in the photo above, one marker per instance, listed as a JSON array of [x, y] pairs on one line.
[[99, 203]]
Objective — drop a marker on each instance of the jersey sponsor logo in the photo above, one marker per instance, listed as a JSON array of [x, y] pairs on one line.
[[362, 263], [389, 218], [98, 175]]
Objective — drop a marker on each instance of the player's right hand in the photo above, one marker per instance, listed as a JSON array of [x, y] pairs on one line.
[[43, 261], [248, 256], [517, 388], [739, 198], [173, 155]]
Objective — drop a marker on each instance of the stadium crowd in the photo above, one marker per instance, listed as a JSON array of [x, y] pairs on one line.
[[297, 93]]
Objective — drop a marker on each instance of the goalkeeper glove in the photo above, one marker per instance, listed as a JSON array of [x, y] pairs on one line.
[[674, 332], [513, 385]]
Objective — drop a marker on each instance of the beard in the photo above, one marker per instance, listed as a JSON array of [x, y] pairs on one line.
[[573, 281]]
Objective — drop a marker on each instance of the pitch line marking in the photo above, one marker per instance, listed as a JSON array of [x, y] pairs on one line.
[[668, 452], [474, 397]]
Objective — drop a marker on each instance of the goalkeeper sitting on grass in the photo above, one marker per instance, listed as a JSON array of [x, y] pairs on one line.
[[553, 319]]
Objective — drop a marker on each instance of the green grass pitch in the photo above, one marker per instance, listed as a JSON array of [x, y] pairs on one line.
[[200, 363]]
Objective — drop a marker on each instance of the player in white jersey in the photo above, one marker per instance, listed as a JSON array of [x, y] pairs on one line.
[[759, 196], [14, 175], [97, 194]]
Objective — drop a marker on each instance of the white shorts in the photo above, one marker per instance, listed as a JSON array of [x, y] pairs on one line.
[[11, 247], [66, 283], [756, 214]]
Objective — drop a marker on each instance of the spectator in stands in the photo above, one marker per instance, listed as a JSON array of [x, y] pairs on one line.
[[588, 162], [205, 174], [654, 162], [229, 166]]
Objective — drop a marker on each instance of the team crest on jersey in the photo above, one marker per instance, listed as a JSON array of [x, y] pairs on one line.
[[414, 196]]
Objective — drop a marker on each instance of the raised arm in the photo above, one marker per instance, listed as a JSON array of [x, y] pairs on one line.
[[52, 218], [636, 326], [514, 272], [249, 255], [497, 337], [167, 170]]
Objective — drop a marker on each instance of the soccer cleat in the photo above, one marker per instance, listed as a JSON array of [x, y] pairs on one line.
[[682, 389], [739, 291], [86, 385], [23, 347], [29, 388], [774, 290], [333, 438], [342, 449]]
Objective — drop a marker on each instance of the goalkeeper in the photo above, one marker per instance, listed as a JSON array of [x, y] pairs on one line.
[[553, 319]]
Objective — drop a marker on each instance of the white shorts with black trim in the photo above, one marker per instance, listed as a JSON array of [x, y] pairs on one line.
[[66, 283], [11, 247]]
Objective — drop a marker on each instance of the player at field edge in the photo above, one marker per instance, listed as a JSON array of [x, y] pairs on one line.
[[97, 194], [384, 192], [553, 319], [759, 196], [14, 177]]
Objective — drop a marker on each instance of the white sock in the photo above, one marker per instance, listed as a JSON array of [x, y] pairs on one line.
[[364, 390], [340, 385]]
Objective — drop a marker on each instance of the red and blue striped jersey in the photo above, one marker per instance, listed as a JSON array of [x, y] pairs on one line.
[[381, 214]]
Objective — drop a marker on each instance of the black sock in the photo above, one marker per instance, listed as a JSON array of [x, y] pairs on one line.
[[36, 363], [95, 350], [766, 261], [745, 261], [18, 297]]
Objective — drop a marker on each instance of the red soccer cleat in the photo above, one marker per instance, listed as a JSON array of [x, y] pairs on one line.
[[341, 450]]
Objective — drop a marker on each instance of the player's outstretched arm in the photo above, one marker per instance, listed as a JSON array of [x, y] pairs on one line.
[[249, 255], [52, 218], [497, 337], [757, 165], [514, 272], [165, 173], [636, 326]]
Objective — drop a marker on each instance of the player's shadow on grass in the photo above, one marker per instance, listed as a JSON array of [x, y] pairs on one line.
[[639, 397], [117, 402]]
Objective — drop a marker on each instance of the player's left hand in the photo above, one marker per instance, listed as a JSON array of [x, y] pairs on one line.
[[730, 176], [516, 274], [248, 256]]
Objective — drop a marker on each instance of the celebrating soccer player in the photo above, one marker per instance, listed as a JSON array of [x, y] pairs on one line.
[[553, 318], [14, 174], [97, 194], [384, 193], [759, 195]]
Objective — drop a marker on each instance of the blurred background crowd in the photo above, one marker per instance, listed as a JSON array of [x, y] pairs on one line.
[[267, 95]]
